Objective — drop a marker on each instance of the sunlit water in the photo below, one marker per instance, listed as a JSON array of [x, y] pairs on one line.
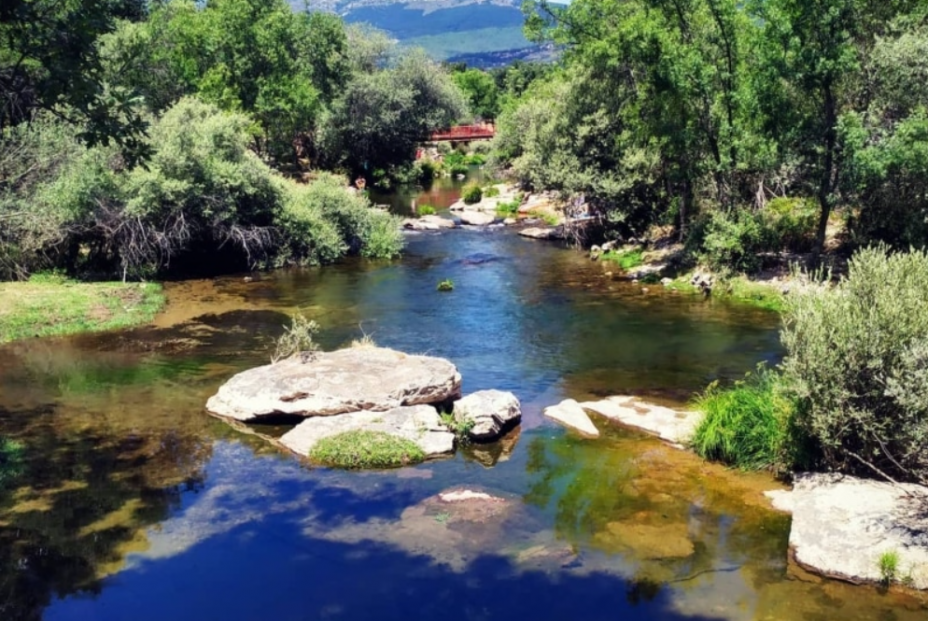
[[135, 504]]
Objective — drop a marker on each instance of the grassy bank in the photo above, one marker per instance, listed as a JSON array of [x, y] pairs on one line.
[[738, 289], [54, 306]]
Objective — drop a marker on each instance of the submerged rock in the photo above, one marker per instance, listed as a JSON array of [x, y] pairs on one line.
[[419, 424], [843, 525], [490, 412], [339, 382], [674, 426], [570, 414]]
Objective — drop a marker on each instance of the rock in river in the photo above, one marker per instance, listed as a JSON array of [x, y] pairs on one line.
[[674, 426], [842, 525], [476, 218], [570, 413], [429, 222], [551, 232], [489, 411], [338, 382], [419, 424]]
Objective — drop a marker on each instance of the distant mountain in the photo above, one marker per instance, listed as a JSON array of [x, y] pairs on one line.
[[477, 29]]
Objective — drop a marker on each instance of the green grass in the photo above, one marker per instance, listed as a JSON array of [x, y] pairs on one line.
[[548, 218], [491, 191], [738, 289], [11, 460], [889, 567], [425, 210], [51, 305], [745, 425], [446, 285], [458, 424], [626, 260], [366, 449], [510, 209]]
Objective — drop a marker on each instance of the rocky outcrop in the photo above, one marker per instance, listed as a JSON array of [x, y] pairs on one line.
[[674, 426], [488, 413], [548, 232], [339, 382], [428, 223], [570, 414], [419, 424], [477, 218], [843, 525]]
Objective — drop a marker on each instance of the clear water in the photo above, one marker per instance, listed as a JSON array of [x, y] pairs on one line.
[[135, 504]]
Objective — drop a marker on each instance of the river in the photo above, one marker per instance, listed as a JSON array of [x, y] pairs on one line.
[[134, 504]]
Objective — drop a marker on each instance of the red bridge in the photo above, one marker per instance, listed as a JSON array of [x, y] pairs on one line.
[[464, 133]]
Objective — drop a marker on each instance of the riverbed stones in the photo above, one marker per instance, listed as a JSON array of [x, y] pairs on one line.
[[842, 525], [430, 222], [419, 424], [570, 414], [488, 413], [545, 233], [476, 218], [674, 426], [338, 382]]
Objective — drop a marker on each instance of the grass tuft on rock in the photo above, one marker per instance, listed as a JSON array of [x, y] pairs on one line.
[[626, 260], [366, 449], [745, 425]]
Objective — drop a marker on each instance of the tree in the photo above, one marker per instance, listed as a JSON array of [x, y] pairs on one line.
[[49, 61], [481, 92]]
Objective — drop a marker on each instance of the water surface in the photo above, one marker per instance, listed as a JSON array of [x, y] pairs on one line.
[[134, 504]]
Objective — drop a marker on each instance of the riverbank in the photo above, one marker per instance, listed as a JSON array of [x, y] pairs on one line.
[[57, 306]]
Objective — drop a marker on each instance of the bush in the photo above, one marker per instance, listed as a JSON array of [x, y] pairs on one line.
[[732, 240], [745, 425], [366, 449], [458, 170], [508, 210], [491, 191], [472, 194], [446, 285], [298, 338], [857, 364], [626, 260], [12, 456], [425, 210], [475, 160]]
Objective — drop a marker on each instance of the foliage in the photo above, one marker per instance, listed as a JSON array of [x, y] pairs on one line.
[[380, 117], [491, 192], [626, 260], [480, 90], [472, 194], [366, 449], [888, 564], [446, 285], [857, 366], [12, 455], [425, 210], [458, 424], [744, 425], [508, 209], [298, 338]]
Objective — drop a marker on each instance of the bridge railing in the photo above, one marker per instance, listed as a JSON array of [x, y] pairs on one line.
[[465, 132]]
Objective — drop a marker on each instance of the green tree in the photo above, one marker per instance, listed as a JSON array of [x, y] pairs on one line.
[[480, 90]]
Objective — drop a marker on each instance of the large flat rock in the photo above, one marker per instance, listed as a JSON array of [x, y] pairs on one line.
[[419, 424], [674, 426], [842, 525], [338, 382]]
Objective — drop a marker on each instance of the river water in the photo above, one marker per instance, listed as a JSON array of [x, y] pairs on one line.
[[134, 504]]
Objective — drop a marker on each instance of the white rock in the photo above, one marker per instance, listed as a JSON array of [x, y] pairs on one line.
[[675, 426], [476, 218], [490, 411], [428, 223], [348, 380], [570, 414], [419, 424], [842, 525], [537, 232]]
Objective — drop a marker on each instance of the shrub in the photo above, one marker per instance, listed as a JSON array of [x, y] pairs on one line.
[[366, 449], [888, 564], [745, 425], [491, 191], [857, 364], [458, 169], [458, 424], [475, 160], [508, 210], [425, 210], [12, 455], [731, 241], [298, 338], [446, 285], [426, 171], [626, 260], [472, 194]]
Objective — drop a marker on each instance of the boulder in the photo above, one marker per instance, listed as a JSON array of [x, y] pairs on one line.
[[842, 525], [419, 424], [476, 218], [490, 412], [549, 232], [570, 414], [428, 223], [674, 426], [338, 382]]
